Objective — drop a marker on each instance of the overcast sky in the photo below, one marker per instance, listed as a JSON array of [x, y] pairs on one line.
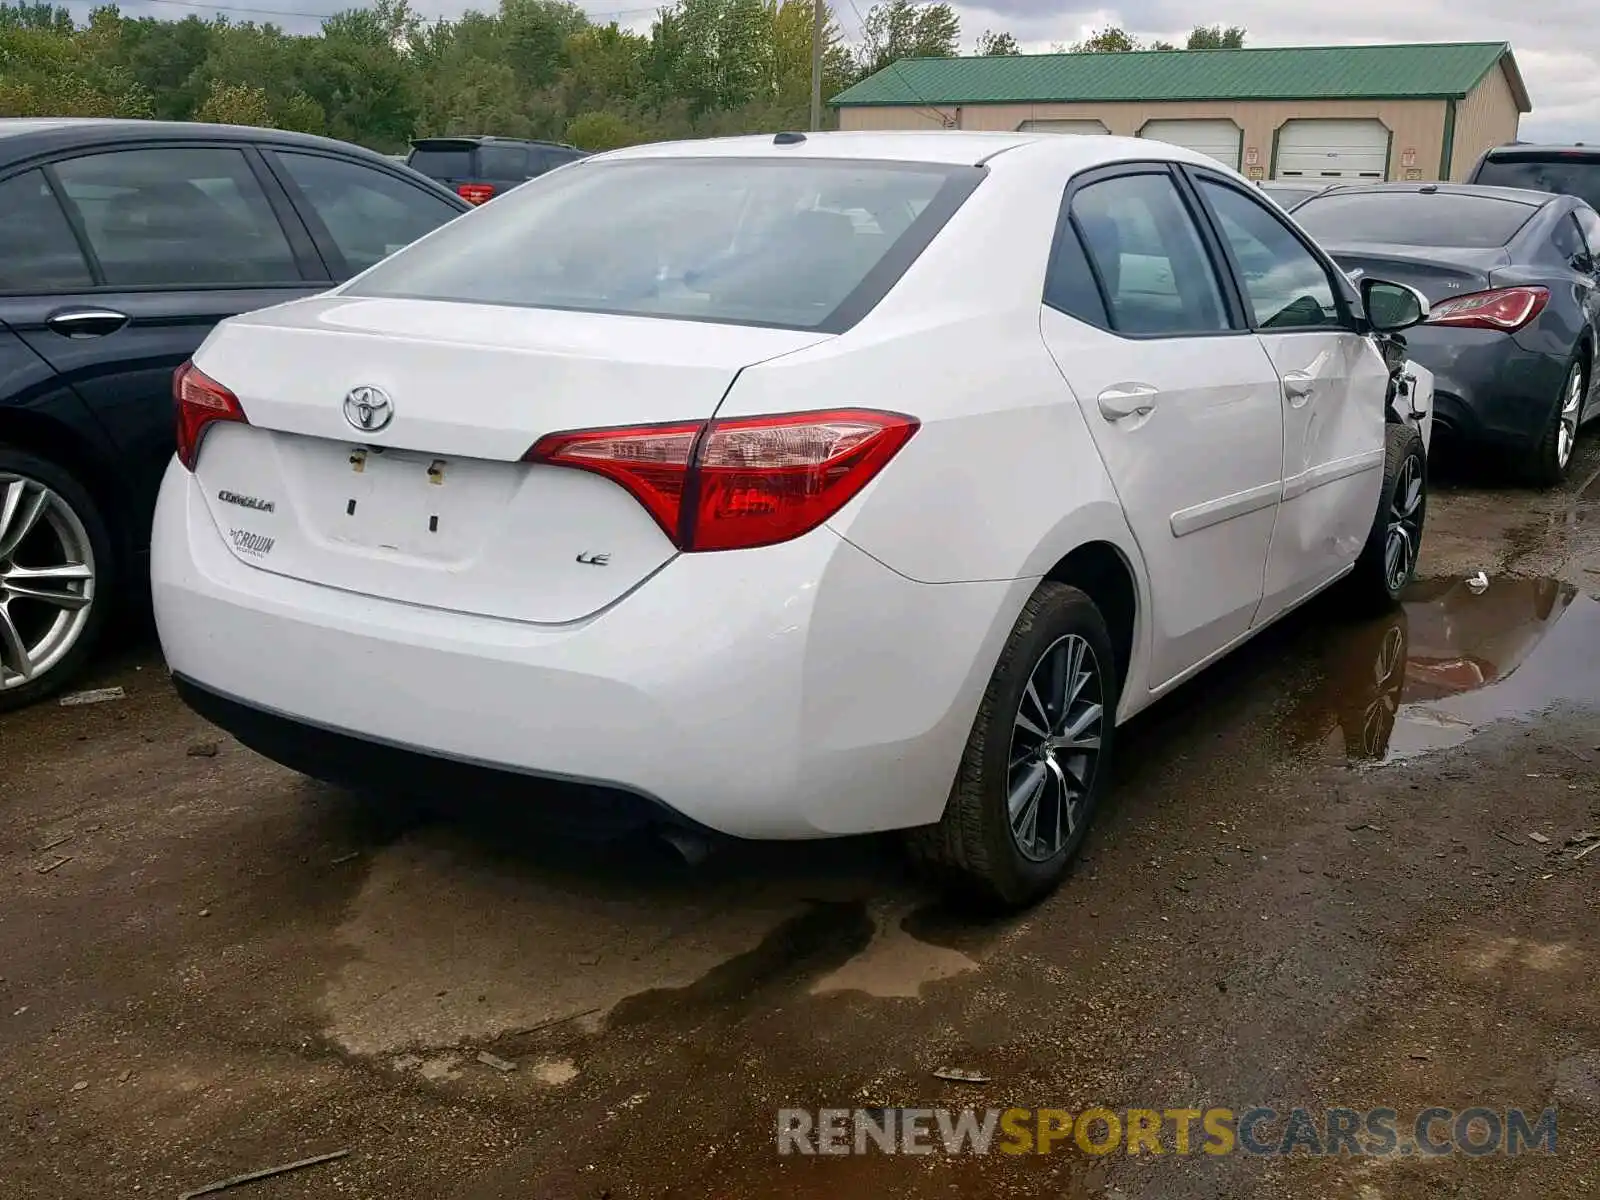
[[1557, 42]]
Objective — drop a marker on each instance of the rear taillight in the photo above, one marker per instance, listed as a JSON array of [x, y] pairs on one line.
[[201, 402], [1505, 309], [476, 193], [738, 483]]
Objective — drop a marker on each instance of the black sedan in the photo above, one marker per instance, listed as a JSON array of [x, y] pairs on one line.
[[1513, 280], [121, 244]]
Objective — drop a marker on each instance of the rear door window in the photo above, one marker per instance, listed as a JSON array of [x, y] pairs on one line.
[[1148, 258], [37, 250], [1575, 176], [1589, 222], [177, 217], [368, 213], [1567, 239]]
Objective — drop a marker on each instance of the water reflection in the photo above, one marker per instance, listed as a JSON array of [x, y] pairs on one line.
[[1446, 663]]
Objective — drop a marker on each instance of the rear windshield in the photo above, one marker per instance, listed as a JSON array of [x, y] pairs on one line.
[[1413, 219], [807, 244], [443, 162], [502, 162], [1567, 176]]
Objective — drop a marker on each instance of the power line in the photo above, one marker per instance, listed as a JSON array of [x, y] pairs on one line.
[[323, 16], [944, 121], [230, 8]]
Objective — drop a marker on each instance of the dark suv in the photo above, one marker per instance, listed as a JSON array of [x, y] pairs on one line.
[[1567, 170], [121, 244], [480, 168]]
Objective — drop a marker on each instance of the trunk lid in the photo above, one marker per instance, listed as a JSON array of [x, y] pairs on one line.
[[435, 507], [1437, 274]]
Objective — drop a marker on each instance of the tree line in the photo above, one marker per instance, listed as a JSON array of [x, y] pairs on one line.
[[382, 75]]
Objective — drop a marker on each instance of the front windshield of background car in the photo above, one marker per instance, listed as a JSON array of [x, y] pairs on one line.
[[741, 240], [1413, 219], [1564, 176]]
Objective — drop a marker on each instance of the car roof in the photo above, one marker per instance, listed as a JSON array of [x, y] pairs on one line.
[[25, 137], [953, 147], [1528, 196], [480, 139], [1073, 152], [1537, 149]]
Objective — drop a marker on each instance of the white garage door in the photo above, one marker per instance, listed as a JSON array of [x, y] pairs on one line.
[[1219, 139], [1061, 127], [1330, 150]]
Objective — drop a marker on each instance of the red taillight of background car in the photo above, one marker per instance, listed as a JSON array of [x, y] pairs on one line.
[[476, 193], [1505, 309], [201, 402], [743, 482]]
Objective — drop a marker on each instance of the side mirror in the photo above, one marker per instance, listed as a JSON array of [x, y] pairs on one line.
[[1392, 307]]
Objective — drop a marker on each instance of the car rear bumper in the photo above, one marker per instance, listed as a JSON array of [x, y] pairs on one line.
[[800, 690], [1487, 386]]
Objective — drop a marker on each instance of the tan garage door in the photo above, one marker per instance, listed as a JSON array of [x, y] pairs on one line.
[[1043, 126], [1317, 150], [1219, 139]]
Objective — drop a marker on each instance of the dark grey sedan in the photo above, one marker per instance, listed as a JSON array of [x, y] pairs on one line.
[[1513, 279]]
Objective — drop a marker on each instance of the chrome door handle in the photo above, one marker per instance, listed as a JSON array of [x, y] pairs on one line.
[[1298, 386], [1127, 400], [87, 322]]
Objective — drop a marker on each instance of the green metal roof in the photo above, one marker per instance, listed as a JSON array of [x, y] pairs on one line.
[[1418, 71]]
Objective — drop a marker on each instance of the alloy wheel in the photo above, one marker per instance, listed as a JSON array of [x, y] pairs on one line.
[[1571, 407], [1055, 748], [1378, 721], [1405, 525], [47, 576]]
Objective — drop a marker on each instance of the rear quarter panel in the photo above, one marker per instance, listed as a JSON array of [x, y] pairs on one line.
[[1571, 312], [1001, 480]]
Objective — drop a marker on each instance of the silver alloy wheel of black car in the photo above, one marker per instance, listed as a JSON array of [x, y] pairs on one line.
[[1405, 525], [1571, 410], [1055, 745], [47, 578]]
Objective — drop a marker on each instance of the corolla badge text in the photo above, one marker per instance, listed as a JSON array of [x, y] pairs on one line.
[[252, 502], [368, 408]]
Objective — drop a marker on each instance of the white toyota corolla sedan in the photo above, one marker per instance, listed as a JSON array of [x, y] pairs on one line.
[[787, 487]]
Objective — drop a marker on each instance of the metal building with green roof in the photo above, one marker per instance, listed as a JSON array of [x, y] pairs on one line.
[[1318, 113]]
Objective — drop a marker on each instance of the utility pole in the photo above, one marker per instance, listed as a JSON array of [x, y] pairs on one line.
[[818, 22]]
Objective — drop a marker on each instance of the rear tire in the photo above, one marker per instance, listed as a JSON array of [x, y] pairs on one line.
[[1550, 461], [56, 577], [1388, 561], [1035, 763]]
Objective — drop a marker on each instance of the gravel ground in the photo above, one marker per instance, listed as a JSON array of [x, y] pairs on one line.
[[1340, 870]]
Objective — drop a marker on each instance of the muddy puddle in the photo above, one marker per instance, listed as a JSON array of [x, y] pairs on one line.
[[1448, 662]]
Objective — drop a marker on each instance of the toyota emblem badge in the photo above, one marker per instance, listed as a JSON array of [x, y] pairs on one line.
[[369, 409]]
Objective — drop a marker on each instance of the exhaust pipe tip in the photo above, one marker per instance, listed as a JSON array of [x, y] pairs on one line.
[[691, 848]]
